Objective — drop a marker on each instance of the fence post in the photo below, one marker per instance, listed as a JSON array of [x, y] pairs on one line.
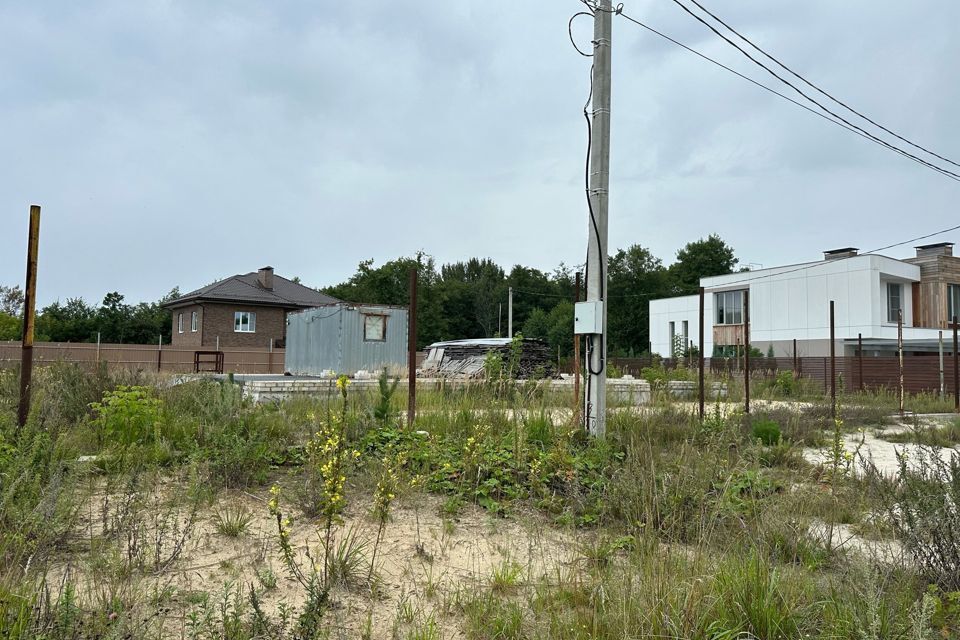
[[577, 400], [159, 352], [746, 350], [29, 316], [412, 348], [860, 359], [900, 354], [833, 366], [956, 369], [796, 372], [700, 355], [940, 350]]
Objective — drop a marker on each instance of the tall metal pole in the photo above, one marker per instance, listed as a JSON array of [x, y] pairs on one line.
[[940, 343], [900, 354], [746, 351], [599, 185], [412, 350], [700, 356], [510, 312], [833, 366], [29, 316], [576, 354]]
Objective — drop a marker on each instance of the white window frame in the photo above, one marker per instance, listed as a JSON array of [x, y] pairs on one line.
[[728, 307], [180, 322], [366, 328], [244, 322], [193, 321], [953, 303], [892, 315]]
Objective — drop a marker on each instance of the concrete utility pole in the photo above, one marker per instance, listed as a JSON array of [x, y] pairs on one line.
[[510, 312], [595, 402]]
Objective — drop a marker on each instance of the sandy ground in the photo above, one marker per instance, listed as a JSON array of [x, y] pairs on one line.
[[869, 445], [425, 563]]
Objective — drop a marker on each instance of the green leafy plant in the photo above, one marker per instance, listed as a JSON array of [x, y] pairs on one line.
[[128, 415]]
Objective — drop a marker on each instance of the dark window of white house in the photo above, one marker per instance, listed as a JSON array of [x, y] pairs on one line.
[[193, 321], [894, 302], [374, 328], [179, 323], [686, 333], [245, 322], [729, 307], [953, 302], [673, 339]]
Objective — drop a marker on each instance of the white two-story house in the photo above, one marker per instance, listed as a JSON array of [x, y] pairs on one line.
[[792, 303]]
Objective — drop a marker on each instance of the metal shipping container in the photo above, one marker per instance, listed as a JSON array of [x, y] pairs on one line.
[[346, 338]]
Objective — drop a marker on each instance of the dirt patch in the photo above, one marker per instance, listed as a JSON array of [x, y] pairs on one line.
[[154, 544]]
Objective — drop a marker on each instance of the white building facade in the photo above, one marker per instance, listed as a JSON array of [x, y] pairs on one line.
[[792, 303]]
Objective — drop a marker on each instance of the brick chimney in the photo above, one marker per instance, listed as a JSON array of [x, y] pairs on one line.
[[265, 277], [937, 249], [837, 254]]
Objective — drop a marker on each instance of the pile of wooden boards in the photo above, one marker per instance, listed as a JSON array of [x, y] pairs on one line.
[[467, 358]]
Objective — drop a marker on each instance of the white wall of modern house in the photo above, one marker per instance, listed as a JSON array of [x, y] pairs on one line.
[[793, 303]]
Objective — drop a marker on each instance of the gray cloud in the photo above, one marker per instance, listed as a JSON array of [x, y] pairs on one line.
[[172, 142]]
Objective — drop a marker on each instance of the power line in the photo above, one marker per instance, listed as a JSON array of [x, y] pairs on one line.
[[947, 172], [839, 121], [836, 260], [818, 89]]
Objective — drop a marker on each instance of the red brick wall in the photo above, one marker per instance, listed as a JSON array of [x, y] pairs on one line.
[[188, 338], [218, 321]]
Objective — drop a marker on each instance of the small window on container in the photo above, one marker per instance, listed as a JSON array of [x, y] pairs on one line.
[[374, 328]]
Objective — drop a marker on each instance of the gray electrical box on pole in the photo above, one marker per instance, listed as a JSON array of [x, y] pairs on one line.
[[595, 401]]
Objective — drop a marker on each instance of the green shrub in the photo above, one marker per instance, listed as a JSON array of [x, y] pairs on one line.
[[766, 431], [127, 415]]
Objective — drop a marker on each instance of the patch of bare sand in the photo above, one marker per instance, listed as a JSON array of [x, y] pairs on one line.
[[426, 563]]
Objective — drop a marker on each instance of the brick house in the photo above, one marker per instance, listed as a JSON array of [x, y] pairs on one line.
[[247, 310]]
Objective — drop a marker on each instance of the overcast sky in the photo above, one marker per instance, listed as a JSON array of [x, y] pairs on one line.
[[173, 143]]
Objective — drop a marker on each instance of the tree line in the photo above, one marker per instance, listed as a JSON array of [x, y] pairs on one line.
[[457, 300], [469, 299], [78, 321]]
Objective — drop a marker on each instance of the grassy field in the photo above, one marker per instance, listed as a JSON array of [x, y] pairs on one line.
[[133, 508]]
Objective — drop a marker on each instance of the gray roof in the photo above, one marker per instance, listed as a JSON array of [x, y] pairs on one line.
[[246, 288]]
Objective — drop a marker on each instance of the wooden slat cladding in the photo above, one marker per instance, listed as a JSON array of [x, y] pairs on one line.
[[727, 334], [936, 272]]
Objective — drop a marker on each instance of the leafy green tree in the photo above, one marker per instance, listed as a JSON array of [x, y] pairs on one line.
[[701, 259], [635, 276], [390, 283], [11, 300], [72, 321], [472, 293], [554, 327], [10, 327]]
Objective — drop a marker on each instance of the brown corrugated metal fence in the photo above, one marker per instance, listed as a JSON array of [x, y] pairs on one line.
[[144, 357]]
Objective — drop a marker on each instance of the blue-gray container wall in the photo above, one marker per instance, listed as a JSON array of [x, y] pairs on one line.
[[331, 339]]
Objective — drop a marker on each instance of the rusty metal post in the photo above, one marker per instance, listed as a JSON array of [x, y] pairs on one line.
[[860, 358], [29, 316], [900, 355], [412, 350], [270, 358], [700, 356], [159, 352], [746, 350], [833, 366], [577, 400], [956, 369], [796, 372]]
